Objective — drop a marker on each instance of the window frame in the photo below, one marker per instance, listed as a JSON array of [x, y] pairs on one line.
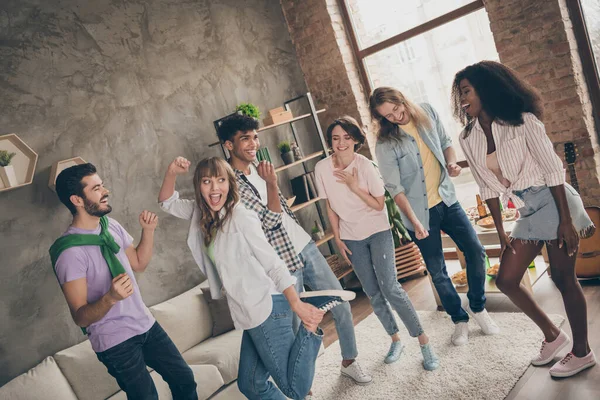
[[588, 62], [361, 55]]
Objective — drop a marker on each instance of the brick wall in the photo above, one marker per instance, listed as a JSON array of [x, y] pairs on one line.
[[535, 38], [327, 61]]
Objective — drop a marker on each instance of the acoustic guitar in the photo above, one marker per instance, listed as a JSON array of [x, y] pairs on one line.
[[587, 264]]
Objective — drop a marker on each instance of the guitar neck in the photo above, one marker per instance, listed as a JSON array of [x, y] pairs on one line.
[[573, 176]]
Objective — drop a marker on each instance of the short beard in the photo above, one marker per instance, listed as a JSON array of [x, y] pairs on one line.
[[94, 209]]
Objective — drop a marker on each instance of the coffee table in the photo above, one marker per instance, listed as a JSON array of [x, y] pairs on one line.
[[489, 237]]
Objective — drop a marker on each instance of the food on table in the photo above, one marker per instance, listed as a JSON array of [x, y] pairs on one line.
[[493, 270], [460, 278]]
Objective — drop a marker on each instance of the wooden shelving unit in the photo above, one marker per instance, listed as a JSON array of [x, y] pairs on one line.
[[23, 163], [339, 269]]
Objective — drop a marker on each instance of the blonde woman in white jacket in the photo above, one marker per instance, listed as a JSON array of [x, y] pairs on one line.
[[231, 249]]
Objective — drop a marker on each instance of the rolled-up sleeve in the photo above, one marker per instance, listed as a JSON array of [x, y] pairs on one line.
[[270, 220], [389, 168], [445, 139], [264, 252], [542, 151], [180, 208]]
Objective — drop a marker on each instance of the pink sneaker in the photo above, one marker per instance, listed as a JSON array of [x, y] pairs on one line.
[[571, 365], [549, 350]]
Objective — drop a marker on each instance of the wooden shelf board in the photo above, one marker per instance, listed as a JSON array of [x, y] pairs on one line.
[[24, 162], [309, 157], [300, 206], [326, 238], [289, 121]]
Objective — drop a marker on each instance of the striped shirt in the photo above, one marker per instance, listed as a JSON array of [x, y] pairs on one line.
[[525, 154], [272, 224]]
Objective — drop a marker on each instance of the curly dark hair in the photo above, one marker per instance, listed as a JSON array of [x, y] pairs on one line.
[[233, 124], [351, 127], [502, 93]]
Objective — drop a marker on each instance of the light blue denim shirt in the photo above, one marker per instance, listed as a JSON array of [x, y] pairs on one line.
[[401, 167]]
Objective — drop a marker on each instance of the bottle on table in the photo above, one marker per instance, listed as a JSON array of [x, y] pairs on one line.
[[481, 210]]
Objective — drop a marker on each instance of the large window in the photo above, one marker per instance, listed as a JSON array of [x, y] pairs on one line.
[[585, 15], [418, 46]]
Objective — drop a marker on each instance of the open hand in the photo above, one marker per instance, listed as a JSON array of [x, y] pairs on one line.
[[505, 244], [266, 170], [567, 235], [344, 250], [454, 169], [179, 166], [148, 220], [350, 179]]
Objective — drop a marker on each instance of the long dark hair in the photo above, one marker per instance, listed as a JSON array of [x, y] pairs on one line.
[[208, 168], [387, 129], [502, 93]]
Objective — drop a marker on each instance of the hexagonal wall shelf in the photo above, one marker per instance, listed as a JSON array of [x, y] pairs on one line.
[[59, 166], [23, 163]]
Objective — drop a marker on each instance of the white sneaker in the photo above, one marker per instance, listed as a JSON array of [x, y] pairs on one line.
[[460, 336], [487, 324], [354, 372]]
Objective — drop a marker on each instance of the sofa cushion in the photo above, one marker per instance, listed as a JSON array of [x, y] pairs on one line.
[[222, 351], [86, 374], [186, 318], [219, 311], [207, 378], [230, 392], [44, 381]]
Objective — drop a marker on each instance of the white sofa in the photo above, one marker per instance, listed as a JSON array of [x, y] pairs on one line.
[[75, 373]]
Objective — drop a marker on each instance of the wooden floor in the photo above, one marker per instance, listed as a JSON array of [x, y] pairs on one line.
[[536, 383]]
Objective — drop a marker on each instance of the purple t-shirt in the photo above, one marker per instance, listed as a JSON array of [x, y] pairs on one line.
[[127, 318]]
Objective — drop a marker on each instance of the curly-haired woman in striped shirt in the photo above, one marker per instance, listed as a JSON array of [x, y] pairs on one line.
[[510, 154]]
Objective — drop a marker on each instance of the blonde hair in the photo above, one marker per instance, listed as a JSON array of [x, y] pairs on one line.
[[209, 168], [388, 129]]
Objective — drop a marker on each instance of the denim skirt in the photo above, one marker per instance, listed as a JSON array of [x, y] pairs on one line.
[[539, 218]]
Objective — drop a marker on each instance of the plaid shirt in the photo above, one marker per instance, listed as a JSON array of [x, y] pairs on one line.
[[271, 221]]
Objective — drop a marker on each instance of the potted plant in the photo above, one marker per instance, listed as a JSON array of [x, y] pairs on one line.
[[316, 233], [7, 172], [248, 109], [286, 154]]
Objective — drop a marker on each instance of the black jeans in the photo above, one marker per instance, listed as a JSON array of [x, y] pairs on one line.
[[127, 361]]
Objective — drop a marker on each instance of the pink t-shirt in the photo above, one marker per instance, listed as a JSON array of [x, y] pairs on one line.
[[358, 221]]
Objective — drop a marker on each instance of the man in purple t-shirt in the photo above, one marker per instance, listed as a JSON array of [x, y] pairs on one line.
[[122, 332]]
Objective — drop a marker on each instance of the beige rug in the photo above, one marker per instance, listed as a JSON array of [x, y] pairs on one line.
[[487, 368]]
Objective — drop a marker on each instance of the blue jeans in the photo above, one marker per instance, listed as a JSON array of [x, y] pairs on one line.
[[127, 361], [374, 262], [317, 275], [453, 220], [272, 349]]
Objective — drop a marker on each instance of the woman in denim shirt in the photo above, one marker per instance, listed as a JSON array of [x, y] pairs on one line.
[[416, 160], [511, 155]]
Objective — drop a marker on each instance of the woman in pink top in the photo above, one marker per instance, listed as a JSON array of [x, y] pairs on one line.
[[355, 206], [510, 154]]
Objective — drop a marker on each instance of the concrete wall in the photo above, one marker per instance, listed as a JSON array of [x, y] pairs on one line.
[[127, 85]]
